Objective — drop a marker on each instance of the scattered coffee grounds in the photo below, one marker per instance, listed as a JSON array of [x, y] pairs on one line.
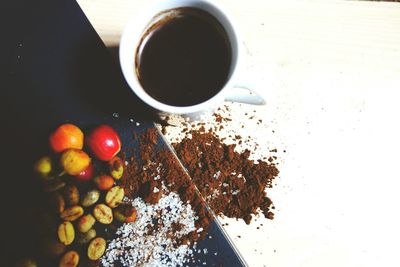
[[147, 142], [233, 123], [232, 184], [229, 156], [166, 171], [171, 214], [144, 177]]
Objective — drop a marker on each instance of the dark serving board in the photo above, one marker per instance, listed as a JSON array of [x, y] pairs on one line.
[[55, 69]]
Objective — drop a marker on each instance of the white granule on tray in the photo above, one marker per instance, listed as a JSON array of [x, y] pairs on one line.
[[135, 245]]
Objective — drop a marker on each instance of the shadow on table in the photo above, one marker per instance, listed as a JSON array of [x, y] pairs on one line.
[[116, 96]]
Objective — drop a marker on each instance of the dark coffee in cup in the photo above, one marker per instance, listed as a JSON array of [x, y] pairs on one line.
[[184, 59]]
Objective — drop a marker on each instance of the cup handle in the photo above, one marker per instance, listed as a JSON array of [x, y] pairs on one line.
[[243, 94]]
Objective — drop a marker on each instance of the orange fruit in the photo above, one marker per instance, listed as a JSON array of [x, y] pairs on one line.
[[66, 136], [104, 182]]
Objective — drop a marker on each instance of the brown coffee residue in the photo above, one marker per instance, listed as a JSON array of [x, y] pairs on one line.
[[232, 184], [158, 169]]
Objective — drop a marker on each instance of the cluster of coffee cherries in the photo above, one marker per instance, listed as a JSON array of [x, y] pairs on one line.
[[83, 192]]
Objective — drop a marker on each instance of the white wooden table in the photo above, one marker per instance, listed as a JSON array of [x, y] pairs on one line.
[[331, 75]]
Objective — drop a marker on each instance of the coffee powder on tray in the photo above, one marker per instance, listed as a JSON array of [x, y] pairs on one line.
[[232, 184], [158, 169], [172, 216], [166, 171]]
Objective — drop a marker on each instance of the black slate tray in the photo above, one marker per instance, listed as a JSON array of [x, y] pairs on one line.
[[55, 69]]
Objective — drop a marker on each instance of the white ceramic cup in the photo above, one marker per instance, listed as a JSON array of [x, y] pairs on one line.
[[136, 28]]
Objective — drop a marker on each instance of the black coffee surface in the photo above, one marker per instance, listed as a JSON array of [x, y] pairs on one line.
[[185, 60]]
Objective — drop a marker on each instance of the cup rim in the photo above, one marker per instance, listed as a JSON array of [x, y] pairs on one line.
[[128, 65]]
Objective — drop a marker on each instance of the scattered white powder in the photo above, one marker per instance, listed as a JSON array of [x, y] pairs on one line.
[[235, 192], [135, 245], [217, 174], [214, 194]]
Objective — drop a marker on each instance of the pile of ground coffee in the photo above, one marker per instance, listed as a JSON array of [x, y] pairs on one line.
[[159, 172], [228, 155], [232, 184]]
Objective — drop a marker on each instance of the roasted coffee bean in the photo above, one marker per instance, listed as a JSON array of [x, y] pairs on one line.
[[103, 214], [72, 213], [96, 248], [114, 196], [66, 233]]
